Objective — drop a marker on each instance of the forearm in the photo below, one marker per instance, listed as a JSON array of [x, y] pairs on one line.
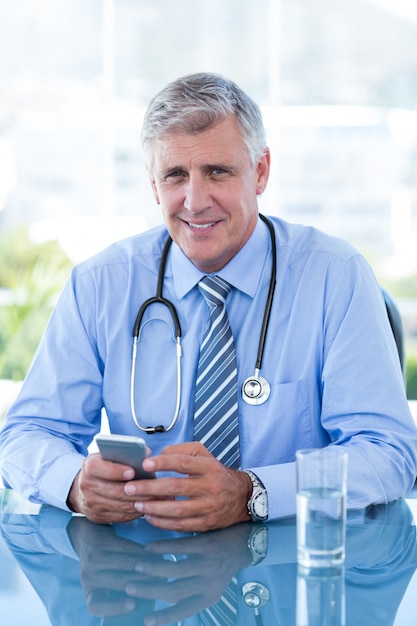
[[39, 466], [378, 472]]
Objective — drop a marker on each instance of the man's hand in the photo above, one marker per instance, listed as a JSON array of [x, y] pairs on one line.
[[98, 491], [207, 494], [204, 496]]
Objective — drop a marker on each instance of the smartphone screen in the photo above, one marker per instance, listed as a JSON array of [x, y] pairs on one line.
[[125, 449]]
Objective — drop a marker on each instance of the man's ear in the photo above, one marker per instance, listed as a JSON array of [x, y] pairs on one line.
[[153, 184], [262, 170], [154, 189]]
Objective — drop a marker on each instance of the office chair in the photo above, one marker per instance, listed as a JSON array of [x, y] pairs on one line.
[[396, 325]]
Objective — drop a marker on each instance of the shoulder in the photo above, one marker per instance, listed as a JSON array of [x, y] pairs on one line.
[[301, 239], [319, 262], [142, 250]]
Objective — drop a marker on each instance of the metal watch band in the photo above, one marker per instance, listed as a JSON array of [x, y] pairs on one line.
[[257, 491], [258, 543]]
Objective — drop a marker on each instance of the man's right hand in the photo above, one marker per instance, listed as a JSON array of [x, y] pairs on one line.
[[98, 491]]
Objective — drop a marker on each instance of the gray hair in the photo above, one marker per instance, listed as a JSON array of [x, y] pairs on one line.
[[195, 103]]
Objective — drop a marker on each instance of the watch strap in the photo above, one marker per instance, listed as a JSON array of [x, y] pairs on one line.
[[258, 543], [257, 486]]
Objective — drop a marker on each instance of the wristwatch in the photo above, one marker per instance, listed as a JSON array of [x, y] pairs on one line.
[[258, 543], [258, 502]]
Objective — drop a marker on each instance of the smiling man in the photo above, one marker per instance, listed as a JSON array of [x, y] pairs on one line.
[[326, 367], [207, 186]]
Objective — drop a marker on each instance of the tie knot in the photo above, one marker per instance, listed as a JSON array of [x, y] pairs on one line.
[[214, 290]]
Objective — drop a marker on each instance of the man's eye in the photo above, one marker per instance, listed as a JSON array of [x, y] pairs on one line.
[[175, 174], [217, 171]]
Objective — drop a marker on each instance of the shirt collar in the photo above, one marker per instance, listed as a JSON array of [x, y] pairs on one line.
[[243, 271]]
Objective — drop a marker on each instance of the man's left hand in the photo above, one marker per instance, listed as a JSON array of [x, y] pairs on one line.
[[207, 494]]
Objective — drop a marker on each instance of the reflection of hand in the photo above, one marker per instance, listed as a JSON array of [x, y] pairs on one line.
[[107, 564], [205, 565], [190, 573]]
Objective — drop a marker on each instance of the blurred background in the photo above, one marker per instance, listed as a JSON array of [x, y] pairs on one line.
[[337, 84]]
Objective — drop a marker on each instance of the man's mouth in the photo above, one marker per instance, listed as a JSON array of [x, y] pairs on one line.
[[201, 226]]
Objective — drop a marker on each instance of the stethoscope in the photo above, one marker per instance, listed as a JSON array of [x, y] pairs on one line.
[[255, 596], [255, 389]]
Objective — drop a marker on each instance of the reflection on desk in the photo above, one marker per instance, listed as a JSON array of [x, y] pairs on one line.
[[130, 574]]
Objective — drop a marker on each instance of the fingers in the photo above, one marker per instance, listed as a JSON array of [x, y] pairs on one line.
[[95, 466], [105, 603], [190, 448], [190, 458], [202, 495], [98, 492], [209, 496]]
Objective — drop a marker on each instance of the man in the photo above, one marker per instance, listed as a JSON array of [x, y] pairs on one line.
[[329, 355]]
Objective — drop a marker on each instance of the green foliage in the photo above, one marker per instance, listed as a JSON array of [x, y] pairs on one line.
[[406, 288], [31, 276], [412, 377], [401, 287]]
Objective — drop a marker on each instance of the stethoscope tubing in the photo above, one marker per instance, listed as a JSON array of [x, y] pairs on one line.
[[158, 298], [259, 386], [270, 296]]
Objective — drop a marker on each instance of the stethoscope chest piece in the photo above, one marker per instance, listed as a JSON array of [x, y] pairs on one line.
[[256, 390], [255, 595]]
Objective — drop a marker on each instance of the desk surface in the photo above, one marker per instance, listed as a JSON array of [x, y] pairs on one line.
[[63, 570]]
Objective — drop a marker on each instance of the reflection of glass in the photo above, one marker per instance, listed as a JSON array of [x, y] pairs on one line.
[[320, 597]]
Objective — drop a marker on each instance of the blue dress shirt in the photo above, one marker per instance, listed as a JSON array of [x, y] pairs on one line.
[[329, 357]]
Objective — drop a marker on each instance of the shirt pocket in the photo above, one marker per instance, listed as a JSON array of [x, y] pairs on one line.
[[273, 431]]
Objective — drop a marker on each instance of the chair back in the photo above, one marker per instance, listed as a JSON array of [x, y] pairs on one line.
[[395, 320]]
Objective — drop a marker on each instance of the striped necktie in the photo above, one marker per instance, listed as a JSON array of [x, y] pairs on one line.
[[215, 409], [224, 613]]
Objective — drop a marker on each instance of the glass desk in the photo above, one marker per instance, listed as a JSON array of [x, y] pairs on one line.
[[62, 570]]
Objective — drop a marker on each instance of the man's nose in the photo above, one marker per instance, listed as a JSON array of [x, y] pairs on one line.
[[197, 196]]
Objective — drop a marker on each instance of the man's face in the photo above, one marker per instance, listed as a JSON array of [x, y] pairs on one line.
[[207, 188]]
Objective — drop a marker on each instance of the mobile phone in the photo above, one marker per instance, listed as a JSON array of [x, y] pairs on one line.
[[125, 449]]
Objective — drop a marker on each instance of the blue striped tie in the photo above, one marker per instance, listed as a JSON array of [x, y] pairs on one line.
[[224, 612], [215, 409]]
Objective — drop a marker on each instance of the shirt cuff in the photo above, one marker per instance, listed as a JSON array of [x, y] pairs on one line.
[[280, 484], [57, 481]]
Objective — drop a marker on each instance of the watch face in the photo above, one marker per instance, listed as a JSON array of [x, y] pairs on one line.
[[260, 505], [259, 540]]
